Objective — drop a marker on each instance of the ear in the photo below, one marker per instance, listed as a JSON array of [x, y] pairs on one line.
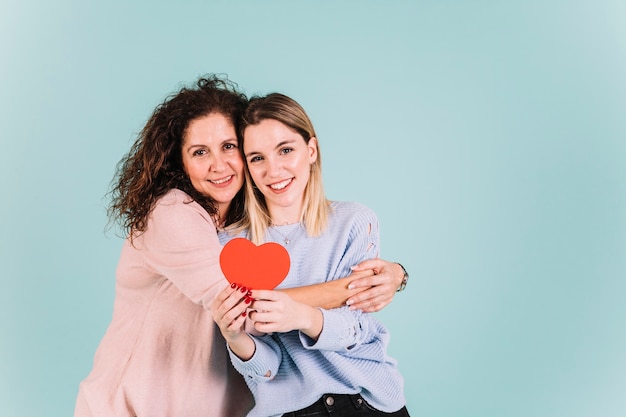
[[312, 145]]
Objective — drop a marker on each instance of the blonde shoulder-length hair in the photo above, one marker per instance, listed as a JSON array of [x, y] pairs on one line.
[[256, 217]]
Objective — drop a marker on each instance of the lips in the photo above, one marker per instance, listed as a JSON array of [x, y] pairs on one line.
[[279, 186], [222, 182]]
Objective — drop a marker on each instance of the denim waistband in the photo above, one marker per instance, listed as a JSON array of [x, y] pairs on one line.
[[330, 403]]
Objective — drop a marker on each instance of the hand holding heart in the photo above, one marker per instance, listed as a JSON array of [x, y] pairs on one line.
[[260, 269], [275, 311], [229, 310]]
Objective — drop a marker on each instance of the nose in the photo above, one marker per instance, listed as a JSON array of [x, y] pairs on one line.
[[274, 168], [218, 163]]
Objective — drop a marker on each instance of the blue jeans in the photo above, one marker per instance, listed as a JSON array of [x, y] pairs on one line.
[[343, 405]]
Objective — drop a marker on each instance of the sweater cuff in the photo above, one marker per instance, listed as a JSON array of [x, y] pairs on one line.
[[263, 365], [339, 333]]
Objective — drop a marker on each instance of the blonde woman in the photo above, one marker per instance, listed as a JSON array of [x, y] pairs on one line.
[[306, 360]]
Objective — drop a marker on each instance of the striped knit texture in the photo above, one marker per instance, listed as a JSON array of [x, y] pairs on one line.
[[350, 355]]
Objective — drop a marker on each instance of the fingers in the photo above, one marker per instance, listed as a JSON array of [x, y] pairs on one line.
[[368, 280], [268, 295], [264, 327], [229, 307], [266, 300], [264, 321], [359, 279], [392, 271], [230, 290], [375, 308], [262, 316], [371, 305], [374, 264], [272, 311], [279, 320], [234, 325], [375, 287], [373, 299]]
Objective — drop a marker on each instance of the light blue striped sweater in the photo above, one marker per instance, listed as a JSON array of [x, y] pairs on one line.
[[350, 355]]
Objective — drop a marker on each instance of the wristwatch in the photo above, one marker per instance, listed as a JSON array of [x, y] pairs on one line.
[[405, 279]]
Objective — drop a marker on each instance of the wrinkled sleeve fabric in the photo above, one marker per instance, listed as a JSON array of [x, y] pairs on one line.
[[343, 328], [264, 364], [181, 244]]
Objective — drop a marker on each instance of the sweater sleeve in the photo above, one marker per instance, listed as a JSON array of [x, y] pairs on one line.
[[343, 328], [263, 365], [180, 243]]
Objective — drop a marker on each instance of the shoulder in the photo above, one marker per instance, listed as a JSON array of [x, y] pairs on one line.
[[177, 198], [177, 221], [358, 226], [176, 206], [343, 210], [352, 217], [173, 197]]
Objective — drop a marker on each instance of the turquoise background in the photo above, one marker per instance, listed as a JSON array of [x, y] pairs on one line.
[[489, 136]]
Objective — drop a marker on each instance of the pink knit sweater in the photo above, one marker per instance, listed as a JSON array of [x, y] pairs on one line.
[[162, 355]]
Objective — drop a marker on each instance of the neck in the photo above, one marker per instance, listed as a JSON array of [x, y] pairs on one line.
[[284, 217], [220, 217], [281, 223]]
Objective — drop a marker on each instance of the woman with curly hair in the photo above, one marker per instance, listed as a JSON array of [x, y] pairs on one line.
[[182, 179]]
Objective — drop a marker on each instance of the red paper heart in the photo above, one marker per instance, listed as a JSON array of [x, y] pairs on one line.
[[260, 267]]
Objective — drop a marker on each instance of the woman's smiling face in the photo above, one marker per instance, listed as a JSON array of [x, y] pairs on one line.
[[212, 160], [279, 161]]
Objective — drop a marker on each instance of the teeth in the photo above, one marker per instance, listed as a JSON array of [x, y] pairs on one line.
[[280, 185], [221, 181]]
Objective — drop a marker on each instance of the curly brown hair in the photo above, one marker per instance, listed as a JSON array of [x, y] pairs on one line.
[[153, 166]]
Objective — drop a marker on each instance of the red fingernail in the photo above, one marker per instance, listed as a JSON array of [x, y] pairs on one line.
[[248, 300], [244, 289], [233, 285], [244, 314], [249, 293]]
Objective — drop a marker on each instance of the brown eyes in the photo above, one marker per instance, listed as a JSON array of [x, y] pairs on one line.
[[226, 147]]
